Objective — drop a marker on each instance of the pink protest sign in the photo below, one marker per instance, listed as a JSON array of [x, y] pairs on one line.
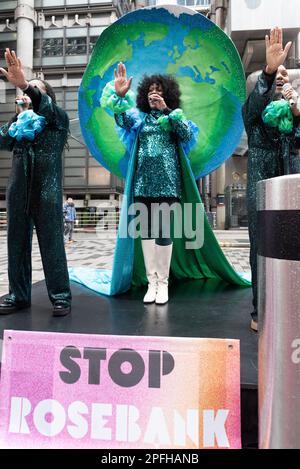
[[94, 391]]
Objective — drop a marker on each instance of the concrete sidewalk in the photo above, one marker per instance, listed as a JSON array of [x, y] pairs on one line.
[[226, 238], [233, 238], [90, 251]]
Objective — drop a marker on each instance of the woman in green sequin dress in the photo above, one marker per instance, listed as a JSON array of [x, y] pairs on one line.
[[158, 174], [158, 141]]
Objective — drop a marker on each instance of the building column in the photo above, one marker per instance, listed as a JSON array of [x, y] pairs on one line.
[[297, 52], [25, 19], [221, 209], [220, 174]]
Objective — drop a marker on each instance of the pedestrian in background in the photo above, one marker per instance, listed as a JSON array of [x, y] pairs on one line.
[[70, 218]]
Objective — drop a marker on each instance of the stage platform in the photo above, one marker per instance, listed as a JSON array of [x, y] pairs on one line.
[[196, 309]]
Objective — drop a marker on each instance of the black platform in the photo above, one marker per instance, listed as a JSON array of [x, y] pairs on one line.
[[209, 309]]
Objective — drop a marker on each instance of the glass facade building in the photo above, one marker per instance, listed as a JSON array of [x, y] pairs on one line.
[[189, 3], [65, 32]]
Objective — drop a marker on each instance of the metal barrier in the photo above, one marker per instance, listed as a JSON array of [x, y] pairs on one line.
[[3, 220], [279, 312], [100, 220], [88, 220]]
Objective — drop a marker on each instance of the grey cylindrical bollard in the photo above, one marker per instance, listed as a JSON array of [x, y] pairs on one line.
[[279, 312]]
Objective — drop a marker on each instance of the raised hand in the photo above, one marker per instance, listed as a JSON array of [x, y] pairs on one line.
[[275, 54], [15, 73], [292, 95], [122, 85]]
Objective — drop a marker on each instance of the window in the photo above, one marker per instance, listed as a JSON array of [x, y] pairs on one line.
[[76, 46], [37, 48], [92, 43], [3, 45], [51, 3], [203, 3], [52, 47], [8, 4]]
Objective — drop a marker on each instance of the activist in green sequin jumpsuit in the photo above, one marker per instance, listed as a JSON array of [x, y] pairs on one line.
[[34, 198], [271, 154]]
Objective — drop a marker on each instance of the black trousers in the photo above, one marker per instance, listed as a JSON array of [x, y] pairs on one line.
[[155, 224], [44, 212]]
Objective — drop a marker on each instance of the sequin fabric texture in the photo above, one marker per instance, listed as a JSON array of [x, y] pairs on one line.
[[271, 154], [158, 172], [34, 198]]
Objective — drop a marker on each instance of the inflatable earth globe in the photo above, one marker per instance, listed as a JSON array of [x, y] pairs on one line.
[[167, 40]]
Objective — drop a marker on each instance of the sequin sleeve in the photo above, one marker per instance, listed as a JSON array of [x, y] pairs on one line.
[[124, 120], [54, 114], [46, 107], [35, 95], [179, 125], [297, 134], [260, 97], [6, 141], [182, 130], [175, 121]]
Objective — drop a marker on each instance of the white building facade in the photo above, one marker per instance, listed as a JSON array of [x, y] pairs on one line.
[[55, 39]]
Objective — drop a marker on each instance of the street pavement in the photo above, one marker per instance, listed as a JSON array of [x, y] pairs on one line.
[[90, 251]]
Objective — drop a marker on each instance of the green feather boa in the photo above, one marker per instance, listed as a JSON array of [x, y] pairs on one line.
[[110, 99], [278, 114], [166, 121]]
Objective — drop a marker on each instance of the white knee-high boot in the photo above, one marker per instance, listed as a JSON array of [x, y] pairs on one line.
[[163, 262], [149, 253]]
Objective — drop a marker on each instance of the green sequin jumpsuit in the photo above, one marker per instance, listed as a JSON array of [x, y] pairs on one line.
[[271, 154], [34, 198]]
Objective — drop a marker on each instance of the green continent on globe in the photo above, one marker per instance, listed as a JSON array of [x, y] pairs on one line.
[[205, 63], [106, 54]]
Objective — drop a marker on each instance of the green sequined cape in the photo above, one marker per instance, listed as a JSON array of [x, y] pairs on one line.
[[207, 262]]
